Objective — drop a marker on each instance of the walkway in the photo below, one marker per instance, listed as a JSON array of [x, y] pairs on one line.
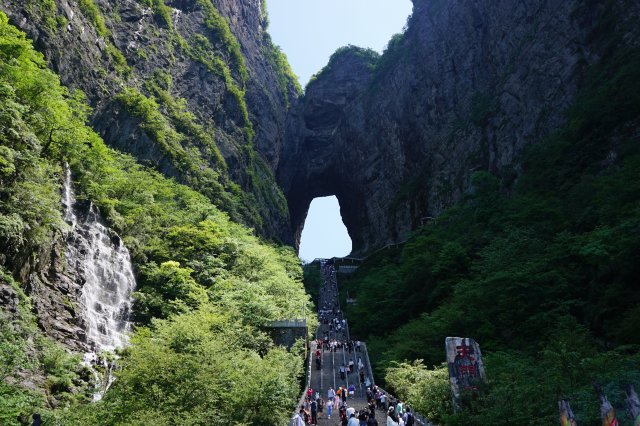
[[333, 332]]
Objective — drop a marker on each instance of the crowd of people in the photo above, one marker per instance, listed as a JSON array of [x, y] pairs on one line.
[[337, 402], [335, 336], [337, 406], [397, 413]]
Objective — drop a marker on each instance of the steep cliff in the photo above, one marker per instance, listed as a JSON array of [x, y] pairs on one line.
[[198, 274], [194, 88], [466, 88]]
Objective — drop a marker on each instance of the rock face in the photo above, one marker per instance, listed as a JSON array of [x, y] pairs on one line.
[[223, 75], [316, 162], [466, 88], [54, 292], [9, 299], [55, 278], [182, 44]]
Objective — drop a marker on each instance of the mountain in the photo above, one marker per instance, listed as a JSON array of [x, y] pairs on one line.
[[492, 149], [467, 87], [195, 89], [179, 204]]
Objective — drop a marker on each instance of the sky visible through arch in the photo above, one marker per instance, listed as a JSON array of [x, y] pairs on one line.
[[309, 31]]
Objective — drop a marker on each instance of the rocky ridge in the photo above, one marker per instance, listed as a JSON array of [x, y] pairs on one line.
[[466, 88], [174, 52], [206, 71]]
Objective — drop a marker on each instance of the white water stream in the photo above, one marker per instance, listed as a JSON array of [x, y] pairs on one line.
[[101, 260]]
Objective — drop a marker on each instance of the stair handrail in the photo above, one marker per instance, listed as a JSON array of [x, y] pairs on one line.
[[307, 386]]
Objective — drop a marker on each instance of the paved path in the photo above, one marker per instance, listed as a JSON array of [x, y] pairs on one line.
[[328, 373], [331, 361]]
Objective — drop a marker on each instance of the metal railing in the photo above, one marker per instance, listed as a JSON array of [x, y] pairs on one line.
[[295, 323], [367, 362], [419, 418], [347, 269], [391, 400], [307, 383]]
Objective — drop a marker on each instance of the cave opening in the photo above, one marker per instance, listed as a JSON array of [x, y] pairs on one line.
[[324, 234]]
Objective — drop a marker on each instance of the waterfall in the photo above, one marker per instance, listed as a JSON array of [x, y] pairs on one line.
[[68, 199], [109, 283], [102, 262]]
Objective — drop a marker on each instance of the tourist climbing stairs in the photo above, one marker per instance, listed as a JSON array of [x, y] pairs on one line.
[[330, 352]]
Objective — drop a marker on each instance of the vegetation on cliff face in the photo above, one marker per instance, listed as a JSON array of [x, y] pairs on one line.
[[541, 272], [285, 75], [206, 286], [369, 56], [176, 39], [220, 52]]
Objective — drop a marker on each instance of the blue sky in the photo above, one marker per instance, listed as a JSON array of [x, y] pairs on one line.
[[324, 235], [309, 31]]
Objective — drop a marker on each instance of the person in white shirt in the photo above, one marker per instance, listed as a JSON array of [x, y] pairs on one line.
[[390, 421], [298, 419]]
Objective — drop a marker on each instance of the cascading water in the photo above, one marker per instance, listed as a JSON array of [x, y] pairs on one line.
[[103, 263]]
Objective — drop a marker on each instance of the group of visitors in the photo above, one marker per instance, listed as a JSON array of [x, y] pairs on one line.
[[376, 396], [399, 416], [332, 336], [335, 344], [397, 413], [310, 410], [348, 415]]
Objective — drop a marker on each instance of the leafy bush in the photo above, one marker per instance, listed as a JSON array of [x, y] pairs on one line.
[[199, 368], [16, 403], [92, 11], [370, 56], [425, 391]]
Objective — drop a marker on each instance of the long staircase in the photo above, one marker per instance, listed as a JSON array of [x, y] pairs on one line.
[[327, 374], [334, 327]]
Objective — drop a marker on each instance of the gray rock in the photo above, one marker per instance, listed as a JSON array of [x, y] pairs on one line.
[[468, 87], [9, 300], [80, 56]]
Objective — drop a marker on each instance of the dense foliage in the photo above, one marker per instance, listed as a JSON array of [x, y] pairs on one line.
[[542, 271], [427, 390], [207, 287], [313, 281], [201, 368]]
